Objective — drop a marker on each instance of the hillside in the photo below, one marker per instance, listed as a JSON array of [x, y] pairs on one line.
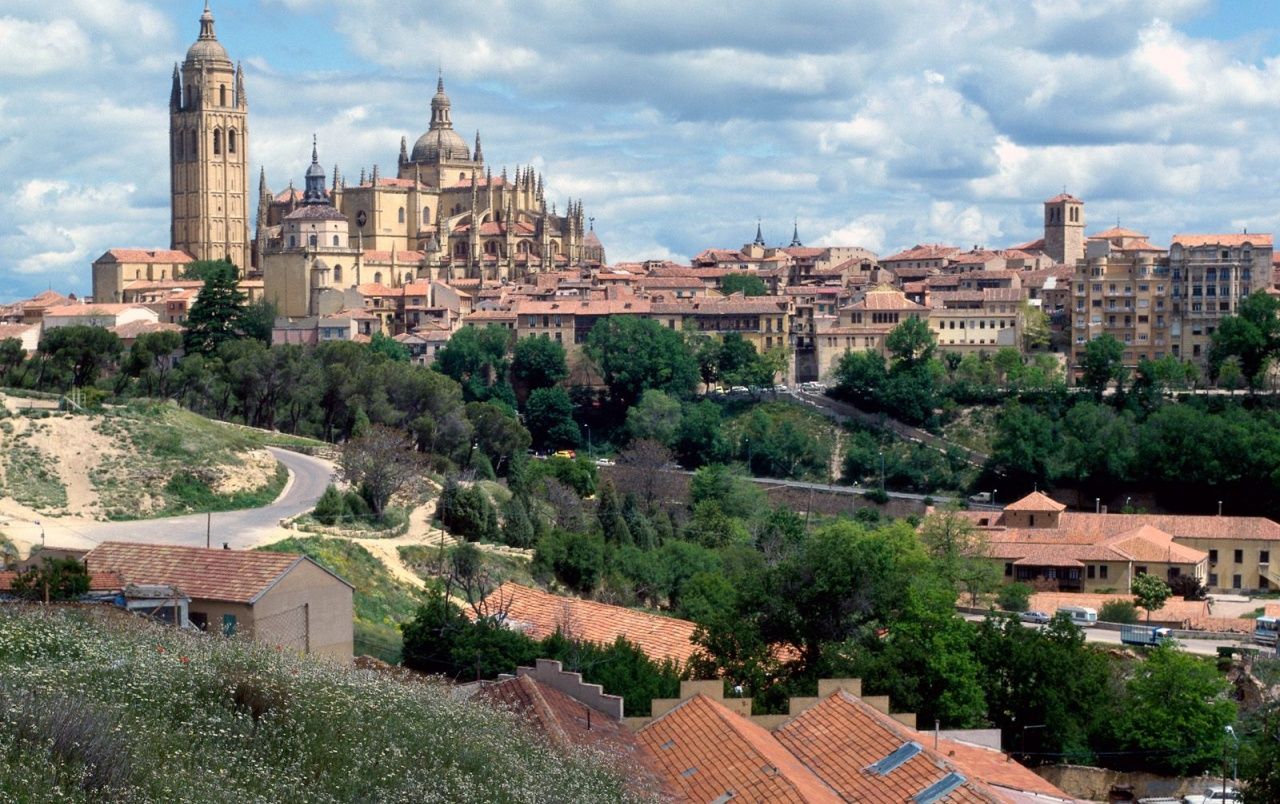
[[102, 706], [136, 461]]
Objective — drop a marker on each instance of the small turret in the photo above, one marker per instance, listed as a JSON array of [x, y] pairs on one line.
[[404, 150], [759, 241], [175, 94], [241, 100], [478, 155], [795, 235], [334, 187]]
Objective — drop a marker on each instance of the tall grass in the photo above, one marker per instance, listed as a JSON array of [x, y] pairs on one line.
[[98, 706]]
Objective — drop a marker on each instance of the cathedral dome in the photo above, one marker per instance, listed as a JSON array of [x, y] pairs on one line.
[[207, 48], [438, 145], [440, 142]]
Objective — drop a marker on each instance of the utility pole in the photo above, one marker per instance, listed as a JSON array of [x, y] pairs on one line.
[[208, 530]]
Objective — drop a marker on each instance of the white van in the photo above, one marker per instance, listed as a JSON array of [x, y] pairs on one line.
[[1080, 615]]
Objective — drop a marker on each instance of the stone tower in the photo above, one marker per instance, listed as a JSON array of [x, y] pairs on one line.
[[209, 153], [1064, 229]]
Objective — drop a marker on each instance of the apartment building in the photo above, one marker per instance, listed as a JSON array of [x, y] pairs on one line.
[[976, 320], [1210, 274]]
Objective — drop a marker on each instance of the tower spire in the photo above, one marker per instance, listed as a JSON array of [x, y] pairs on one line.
[[759, 241], [206, 23], [175, 94], [479, 154], [795, 234]]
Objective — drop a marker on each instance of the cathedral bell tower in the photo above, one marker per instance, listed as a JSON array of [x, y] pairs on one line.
[[209, 153]]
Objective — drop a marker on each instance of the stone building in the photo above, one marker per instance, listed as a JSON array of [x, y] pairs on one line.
[[209, 153], [1064, 229]]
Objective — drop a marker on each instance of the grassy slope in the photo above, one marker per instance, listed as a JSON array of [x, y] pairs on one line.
[[809, 422], [170, 451], [97, 705], [381, 602]]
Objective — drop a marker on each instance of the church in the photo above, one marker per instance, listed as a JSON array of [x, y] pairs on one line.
[[442, 215]]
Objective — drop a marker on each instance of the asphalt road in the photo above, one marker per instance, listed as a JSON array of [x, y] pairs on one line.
[[1200, 647], [308, 478]]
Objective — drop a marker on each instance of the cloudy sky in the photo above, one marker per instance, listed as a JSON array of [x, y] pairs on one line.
[[879, 123]]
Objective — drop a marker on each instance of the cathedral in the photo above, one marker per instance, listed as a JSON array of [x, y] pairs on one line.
[[442, 215]]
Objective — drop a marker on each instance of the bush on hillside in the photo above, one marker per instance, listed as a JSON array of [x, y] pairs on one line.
[[1118, 611], [1014, 597]]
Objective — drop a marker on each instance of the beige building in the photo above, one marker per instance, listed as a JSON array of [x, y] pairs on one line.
[[119, 268], [1210, 274], [1035, 539], [1064, 229], [976, 320], [98, 315], [281, 599], [209, 153]]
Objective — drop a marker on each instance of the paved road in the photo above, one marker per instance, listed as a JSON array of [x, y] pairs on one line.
[[1200, 647], [308, 478]]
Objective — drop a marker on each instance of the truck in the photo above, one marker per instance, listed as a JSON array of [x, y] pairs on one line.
[[1265, 630], [1144, 635]]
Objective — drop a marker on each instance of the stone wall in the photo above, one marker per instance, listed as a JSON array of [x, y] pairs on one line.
[[1094, 784]]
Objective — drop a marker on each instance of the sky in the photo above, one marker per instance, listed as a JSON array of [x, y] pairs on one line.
[[679, 123]]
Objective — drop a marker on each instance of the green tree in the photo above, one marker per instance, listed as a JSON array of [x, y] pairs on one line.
[[79, 353], [476, 357], [390, 347], [1176, 710], [960, 553], [259, 320], [1098, 445], [218, 313], [621, 669], [1118, 611], [440, 639], [911, 342], [700, 438], [203, 269], [1014, 597], [539, 362], [1149, 592], [549, 416], [151, 360], [466, 511], [574, 559], [1260, 759], [1103, 362], [12, 357], [55, 579], [1023, 446], [1252, 336], [497, 433], [655, 417], [860, 376], [1035, 326], [736, 358], [381, 464], [613, 525], [744, 283], [636, 354]]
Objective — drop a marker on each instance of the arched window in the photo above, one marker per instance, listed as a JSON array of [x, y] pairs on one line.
[[426, 215], [293, 241], [312, 241], [337, 273], [335, 241], [491, 247], [408, 278], [522, 247], [460, 249], [231, 141], [217, 141], [222, 95], [462, 177], [195, 150], [402, 214], [178, 137], [377, 277]]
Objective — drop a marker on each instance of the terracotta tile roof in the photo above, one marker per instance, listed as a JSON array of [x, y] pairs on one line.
[[16, 330], [567, 722], [656, 281], [133, 329], [406, 257], [1036, 501], [885, 297], [233, 576], [1194, 240], [1062, 197], [145, 255], [1149, 543], [1115, 232], [1139, 245], [1030, 245], [711, 754], [89, 310], [1087, 527], [995, 768], [98, 581], [926, 251], [377, 289], [587, 307], [802, 253], [167, 284], [540, 614], [841, 737]]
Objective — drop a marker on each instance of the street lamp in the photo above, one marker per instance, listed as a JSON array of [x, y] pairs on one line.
[[881, 471], [993, 496], [41, 533], [1235, 770], [588, 427]]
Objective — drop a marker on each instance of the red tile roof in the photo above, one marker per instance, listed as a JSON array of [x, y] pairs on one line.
[[144, 255], [712, 754], [1036, 501], [1062, 197], [98, 581], [540, 614], [926, 251], [91, 309], [1194, 240], [233, 576]]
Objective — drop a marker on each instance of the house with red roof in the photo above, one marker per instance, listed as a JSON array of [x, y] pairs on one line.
[[282, 599]]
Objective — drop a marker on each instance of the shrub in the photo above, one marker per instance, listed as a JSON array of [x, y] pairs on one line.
[[876, 496], [466, 512], [1188, 587], [56, 579], [575, 559], [1014, 597], [1118, 611]]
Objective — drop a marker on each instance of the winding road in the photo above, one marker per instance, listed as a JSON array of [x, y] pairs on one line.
[[244, 529]]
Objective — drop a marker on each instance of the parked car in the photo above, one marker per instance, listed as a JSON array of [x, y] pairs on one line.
[[1082, 616], [565, 453], [605, 462], [1215, 794], [980, 497], [781, 389], [739, 390], [1034, 616]]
